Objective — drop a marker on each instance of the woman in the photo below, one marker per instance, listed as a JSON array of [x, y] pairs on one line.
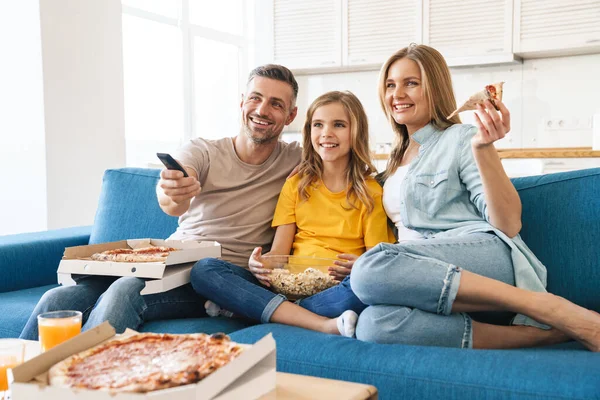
[[458, 217]]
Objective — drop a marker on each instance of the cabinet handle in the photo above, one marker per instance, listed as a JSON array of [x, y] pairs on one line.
[[592, 41], [494, 50], [327, 62], [358, 60]]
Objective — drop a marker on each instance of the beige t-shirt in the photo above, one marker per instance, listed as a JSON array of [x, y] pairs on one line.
[[237, 202]]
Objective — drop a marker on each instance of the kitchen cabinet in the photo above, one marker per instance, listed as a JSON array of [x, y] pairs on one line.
[[555, 27], [470, 32], [313, 36], [306, 34], [374, 30]]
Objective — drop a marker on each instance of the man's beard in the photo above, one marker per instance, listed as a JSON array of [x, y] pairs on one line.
[[270, 137]]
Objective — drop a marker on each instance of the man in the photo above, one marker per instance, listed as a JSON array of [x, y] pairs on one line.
[[229, 197]]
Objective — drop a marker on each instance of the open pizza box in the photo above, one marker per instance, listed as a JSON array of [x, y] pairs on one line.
[[161, 276], [249, 376]]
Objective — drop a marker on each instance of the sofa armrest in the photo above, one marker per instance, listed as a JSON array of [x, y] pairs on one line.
[[31, 259]]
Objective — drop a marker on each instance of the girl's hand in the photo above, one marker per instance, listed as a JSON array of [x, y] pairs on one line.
[[257, 269], [344, 266], [493, 125]]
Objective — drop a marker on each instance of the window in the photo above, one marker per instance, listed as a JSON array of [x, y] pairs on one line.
[[183, 69]]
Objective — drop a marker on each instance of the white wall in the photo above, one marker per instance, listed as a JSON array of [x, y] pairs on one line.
[[83, 91], [61, 110], [22, 143], [537, 92]]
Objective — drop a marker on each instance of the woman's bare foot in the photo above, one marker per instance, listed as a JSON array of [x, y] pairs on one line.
[[577, 322]]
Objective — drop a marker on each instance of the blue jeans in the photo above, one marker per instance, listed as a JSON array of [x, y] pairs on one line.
[[410, 288], [118, 301], [236, 289]]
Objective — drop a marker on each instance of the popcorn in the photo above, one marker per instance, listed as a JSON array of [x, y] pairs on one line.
[[304, 284]]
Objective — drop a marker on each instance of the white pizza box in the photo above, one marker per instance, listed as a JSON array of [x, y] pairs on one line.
[[174, 276], [249, 376], [76, 260]]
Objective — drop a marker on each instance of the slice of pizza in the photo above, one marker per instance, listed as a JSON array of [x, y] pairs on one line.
[[491, 92]]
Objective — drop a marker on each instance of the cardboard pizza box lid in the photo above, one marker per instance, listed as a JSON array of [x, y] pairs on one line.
[[76, 260], [39, 366], [251, 374]]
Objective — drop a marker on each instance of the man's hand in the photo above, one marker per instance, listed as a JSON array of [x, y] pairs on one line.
[[178, 188], [257, 268], [344, 266]]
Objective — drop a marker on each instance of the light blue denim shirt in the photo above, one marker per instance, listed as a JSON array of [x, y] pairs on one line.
[[442, 195]]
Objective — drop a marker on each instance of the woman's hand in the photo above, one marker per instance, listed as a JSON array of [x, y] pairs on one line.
[[344, 266], [493, 125], [257, 268]]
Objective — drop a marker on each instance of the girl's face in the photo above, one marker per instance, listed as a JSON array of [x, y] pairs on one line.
[[330, 133], [404, 95]]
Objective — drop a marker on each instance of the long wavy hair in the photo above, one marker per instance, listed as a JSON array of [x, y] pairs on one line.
[[360, 167], [439, 94]]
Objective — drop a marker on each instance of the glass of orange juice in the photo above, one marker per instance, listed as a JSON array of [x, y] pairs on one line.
[[58, 326], [12, 352]]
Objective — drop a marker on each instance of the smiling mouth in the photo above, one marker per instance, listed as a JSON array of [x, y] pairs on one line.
[[260, 122], [401, 107], [328, 145]]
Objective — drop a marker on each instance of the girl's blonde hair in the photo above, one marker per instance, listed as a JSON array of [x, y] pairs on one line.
[[360, 166], [437, 87]]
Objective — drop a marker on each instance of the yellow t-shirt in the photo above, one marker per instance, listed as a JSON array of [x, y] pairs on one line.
[[327, 225]]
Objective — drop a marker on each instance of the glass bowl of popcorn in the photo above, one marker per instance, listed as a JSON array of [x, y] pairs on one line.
[[298, 277]]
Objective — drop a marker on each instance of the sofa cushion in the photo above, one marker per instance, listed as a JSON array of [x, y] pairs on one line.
[[195, 325], [31, 259], [561, 225], [128, 207], [418, 372], [16, 307]]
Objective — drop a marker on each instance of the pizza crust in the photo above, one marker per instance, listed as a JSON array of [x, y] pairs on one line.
[[167, 361], [492, 92]]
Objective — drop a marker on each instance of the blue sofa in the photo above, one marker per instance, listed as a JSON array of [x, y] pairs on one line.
[[561, 224]]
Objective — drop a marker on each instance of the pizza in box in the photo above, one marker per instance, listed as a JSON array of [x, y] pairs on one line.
[[139, 255], [146, 362]]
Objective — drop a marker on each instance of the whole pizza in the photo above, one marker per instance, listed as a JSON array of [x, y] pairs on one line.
[[144, 254], [145, 362]]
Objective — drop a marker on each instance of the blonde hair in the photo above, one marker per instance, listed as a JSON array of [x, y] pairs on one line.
[[360, 166], [437, 87]]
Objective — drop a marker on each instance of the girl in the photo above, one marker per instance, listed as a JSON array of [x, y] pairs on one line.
[[447, 193], [331, 208]]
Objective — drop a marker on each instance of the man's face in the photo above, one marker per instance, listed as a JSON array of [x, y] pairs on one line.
[[266, 109]]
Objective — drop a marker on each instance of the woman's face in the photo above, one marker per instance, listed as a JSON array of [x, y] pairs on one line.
[[330, 133], [404, 95]]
